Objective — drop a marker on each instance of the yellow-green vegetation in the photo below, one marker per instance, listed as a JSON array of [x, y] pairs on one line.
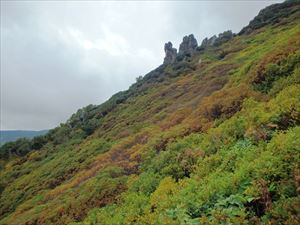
[[210, 141]]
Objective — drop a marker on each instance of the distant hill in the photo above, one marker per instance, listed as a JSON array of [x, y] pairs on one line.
[[12, 135]]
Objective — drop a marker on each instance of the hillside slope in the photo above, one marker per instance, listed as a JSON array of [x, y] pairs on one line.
[[211, 136]]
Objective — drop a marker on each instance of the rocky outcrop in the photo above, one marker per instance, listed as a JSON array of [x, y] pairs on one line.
[[188, 45], [224, 37], [208, 42], [170, 52], [215, 41]]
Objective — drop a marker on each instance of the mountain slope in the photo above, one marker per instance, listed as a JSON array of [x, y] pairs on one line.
[[209, 138]]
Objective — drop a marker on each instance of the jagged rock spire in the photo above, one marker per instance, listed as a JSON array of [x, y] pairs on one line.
[[188, 45], [171, 53]]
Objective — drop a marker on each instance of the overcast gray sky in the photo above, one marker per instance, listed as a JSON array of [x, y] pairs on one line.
[[57, 57]]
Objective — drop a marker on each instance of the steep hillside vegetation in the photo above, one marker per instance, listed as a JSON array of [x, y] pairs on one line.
[[210, 137]]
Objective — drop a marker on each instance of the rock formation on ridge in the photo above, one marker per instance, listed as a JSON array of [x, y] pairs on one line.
[[188, 45], [215, 41], [171, 53]]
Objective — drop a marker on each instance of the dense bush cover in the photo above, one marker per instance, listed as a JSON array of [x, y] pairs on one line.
[[210, 141]]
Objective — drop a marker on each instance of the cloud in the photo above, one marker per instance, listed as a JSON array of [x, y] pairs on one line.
[[57, 57]]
